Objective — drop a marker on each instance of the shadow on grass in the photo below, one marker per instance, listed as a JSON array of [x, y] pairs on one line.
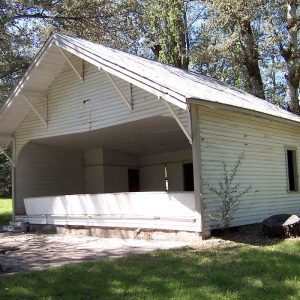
[[238, 273], [5, 218]]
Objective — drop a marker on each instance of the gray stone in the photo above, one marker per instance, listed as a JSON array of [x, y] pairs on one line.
[[283, 225]]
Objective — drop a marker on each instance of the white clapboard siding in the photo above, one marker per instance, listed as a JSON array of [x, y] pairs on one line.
[[224, 136], [66, 112]]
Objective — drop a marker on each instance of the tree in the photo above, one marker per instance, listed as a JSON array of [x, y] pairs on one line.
[[230, 30], [284, 24], [167, 32], [14, 54], [5, 176], [254, 45], [216, 54]]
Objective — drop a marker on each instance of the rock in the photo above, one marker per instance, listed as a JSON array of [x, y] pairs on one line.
[[283, 225]]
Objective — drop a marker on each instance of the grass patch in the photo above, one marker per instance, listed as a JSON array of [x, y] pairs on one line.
[[5, 211], [234, 272]]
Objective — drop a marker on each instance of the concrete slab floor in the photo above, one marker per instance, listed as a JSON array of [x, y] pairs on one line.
[[40, 251]]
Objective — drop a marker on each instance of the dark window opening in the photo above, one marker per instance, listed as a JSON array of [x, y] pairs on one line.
[[292, 170], [133, 180], [188, 177]]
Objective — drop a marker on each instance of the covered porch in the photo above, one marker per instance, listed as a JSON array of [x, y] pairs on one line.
[[135, 175]]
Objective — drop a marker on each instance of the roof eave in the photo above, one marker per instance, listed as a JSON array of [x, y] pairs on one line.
[[245, 111]]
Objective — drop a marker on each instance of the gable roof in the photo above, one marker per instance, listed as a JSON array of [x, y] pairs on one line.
[[172, 84]]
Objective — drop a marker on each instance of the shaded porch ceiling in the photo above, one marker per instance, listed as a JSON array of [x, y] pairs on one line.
[[148, 136]]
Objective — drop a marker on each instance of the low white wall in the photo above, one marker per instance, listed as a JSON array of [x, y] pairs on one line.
[[158, 210]]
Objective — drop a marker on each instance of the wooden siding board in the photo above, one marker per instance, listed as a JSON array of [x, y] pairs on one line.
[[224, 136]]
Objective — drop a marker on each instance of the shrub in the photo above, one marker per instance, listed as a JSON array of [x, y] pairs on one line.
[[229, 193]]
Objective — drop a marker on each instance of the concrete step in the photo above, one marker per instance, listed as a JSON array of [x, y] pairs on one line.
[[10, 228], [16, 223], [15, 227]]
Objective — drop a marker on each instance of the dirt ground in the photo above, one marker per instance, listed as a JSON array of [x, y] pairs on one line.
[[27, 252], [32, 251]]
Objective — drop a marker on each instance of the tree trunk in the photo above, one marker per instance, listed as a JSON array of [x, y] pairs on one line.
[[181, 55], [156, 51], [291, 56], [182, 60], [292, 93], [251, 59], [185, 46]]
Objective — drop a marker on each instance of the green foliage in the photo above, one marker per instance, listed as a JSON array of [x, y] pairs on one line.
[[220, 43], [227, 272], [224, 49], [230, 194], [5, 211], [168, 31], [219, 56], [5, 175]]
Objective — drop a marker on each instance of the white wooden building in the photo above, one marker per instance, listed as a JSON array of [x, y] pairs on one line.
[[98, 135]]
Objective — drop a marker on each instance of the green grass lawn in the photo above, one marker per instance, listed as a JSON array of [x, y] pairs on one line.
[[5, 211], [237, 271]]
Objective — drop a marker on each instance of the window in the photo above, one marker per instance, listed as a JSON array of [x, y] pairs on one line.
[[133, 180], [291, 163], [188, 177]]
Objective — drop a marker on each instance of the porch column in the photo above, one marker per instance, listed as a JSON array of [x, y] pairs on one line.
[[196, 149], [13, 177]]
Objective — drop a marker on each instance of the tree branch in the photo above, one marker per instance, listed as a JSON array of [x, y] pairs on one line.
[[284, 53], [42, 16]]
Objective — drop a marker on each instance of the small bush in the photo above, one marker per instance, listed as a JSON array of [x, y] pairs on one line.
[[229, 193]]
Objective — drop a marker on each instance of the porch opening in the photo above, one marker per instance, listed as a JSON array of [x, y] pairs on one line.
[[123, 159]]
